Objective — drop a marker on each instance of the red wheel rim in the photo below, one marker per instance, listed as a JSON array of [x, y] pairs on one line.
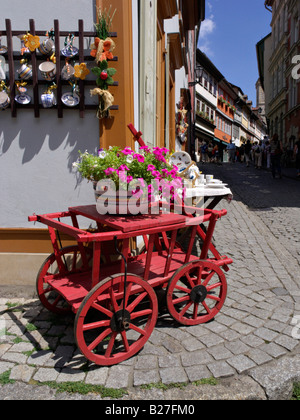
[[50, 299], [103, 335], [196, 293]]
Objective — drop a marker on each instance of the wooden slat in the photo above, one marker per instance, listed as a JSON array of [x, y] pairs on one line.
[[58, 69], [36, 55], [81, 60], [11, 68], [34, 75]]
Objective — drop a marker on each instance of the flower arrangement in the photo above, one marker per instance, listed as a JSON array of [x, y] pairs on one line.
[[102, 50], [149, 168]]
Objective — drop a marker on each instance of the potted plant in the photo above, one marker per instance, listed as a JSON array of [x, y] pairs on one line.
[[120, 176]]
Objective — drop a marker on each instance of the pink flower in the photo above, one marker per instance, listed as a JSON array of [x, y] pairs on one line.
[[156, 174], [123, 168], [109, 171], [173, 173], [142, 182], [122, 175], [145, 149], [140, 158], [129, 179], [151, 168], [127, 151]]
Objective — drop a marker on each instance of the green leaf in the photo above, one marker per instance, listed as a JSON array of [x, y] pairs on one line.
[[109, 80], [111, 71], [100, 82], [96, 71], [103, 65]]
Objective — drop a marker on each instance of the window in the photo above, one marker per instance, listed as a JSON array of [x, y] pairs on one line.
[[281, 127], [215, 88], [279, 82], [205, 76], [210, 84], [293, 93], [294, 30]]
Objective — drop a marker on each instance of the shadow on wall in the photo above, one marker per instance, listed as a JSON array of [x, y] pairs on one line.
[[31, 138]]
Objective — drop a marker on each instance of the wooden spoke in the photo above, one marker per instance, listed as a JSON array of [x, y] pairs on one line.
[[203, 300], [110, 332]]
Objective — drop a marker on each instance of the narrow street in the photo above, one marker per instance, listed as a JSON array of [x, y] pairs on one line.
[[253, 342], [275, 201]]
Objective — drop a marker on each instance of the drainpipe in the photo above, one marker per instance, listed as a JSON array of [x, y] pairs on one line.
[[167, 127]]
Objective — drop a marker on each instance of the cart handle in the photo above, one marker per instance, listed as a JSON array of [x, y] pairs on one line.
[[137, 135]]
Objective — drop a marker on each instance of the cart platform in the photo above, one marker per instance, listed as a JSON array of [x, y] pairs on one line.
[[113, 296]]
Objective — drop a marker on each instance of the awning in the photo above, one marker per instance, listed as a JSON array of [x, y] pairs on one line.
[[220, 141]]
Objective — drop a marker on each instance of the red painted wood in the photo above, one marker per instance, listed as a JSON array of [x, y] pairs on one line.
[[137, 135], [74, 287], [149, 257], [45, 290], [181, 293], [96, 264], [191, 243], [170, 252], [129, 223], [98, 345]]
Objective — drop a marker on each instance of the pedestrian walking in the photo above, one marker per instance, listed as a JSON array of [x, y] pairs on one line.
[[258, 155], [276, 153], [204, 151], [248, 148], [268, 154], [242, 153], [297, 156], [210, 149], [231, 151], [215, 153]]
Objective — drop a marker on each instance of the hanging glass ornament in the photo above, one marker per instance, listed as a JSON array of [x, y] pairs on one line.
[[3, 49], [69, 50], [68, 71], [2, 68]]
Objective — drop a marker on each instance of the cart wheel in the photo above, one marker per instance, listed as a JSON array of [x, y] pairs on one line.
[[196, 292], [107, 331], [71, 257]]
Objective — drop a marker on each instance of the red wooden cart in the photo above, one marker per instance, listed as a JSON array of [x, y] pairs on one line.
[[112, 293]]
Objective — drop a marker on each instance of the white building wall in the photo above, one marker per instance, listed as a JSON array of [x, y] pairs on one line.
[[36, 154]]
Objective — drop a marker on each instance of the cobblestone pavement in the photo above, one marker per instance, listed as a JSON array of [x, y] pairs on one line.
[[254, 341]]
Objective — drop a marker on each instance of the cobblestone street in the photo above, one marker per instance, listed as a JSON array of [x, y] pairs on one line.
[[254, 334]]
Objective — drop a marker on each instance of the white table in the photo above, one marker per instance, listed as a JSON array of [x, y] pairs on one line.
[[214, 194]]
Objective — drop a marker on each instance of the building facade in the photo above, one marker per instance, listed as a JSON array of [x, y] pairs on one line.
[[206, 100], [223, 111], [278, 66], [292, 75], [154, 62]]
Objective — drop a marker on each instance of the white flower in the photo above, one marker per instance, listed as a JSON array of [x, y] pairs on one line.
[[129, 159], [102, 154]]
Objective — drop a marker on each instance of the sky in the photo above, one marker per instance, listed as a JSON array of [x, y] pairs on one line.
[[228, 36]]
